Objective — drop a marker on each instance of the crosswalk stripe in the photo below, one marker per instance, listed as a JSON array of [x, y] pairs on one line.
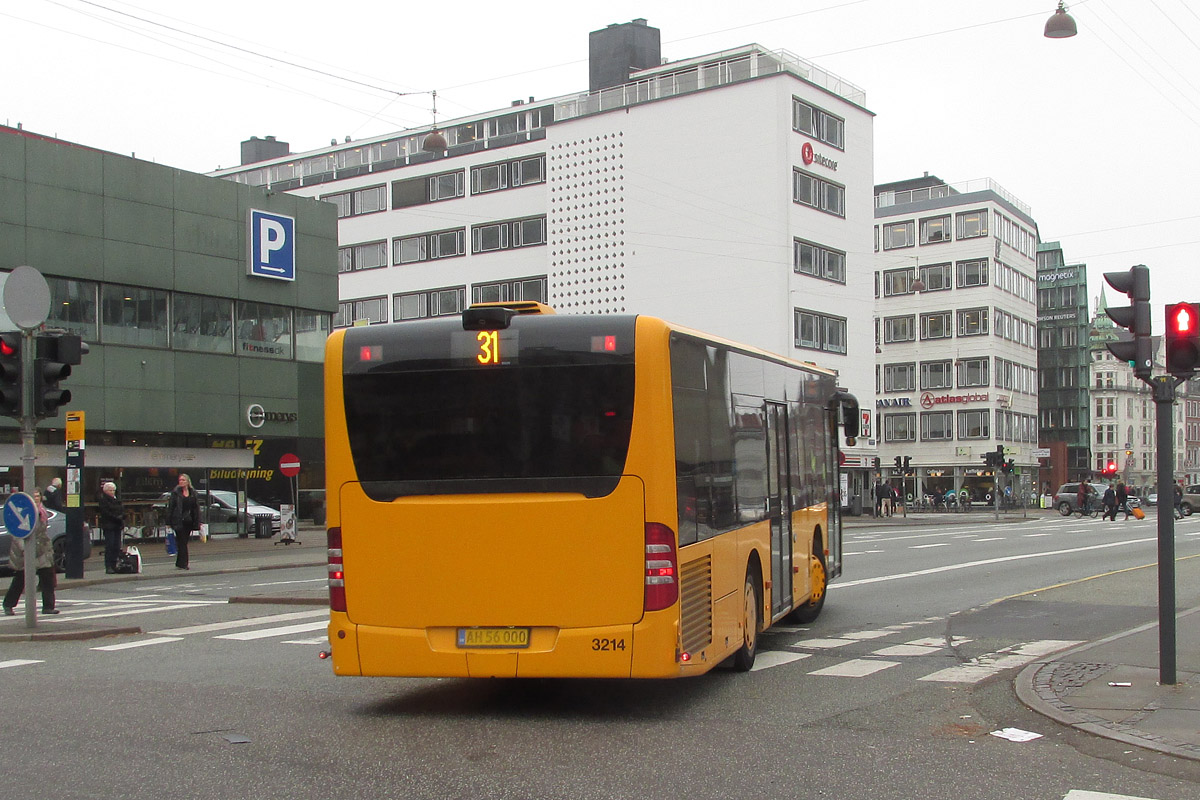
[[242, 623], [319, 640], [1080, 794], [985, 666], [856, 668], [247, 636], [907, 650], [822, 644], [19, 662], [71, 617], [139, 643], [776, 659]]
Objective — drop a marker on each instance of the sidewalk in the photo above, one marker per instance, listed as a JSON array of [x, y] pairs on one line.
[[220, 555]]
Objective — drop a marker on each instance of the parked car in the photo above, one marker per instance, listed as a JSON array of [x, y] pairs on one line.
[[57, 528], [222, 506], [1151, 499], [1066, 499], [1191, 499]]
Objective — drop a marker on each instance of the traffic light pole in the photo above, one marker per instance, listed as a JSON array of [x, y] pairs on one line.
[[1164, 403], [27, 473]]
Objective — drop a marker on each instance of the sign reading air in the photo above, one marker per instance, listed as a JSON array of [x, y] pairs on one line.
[[272, 240]]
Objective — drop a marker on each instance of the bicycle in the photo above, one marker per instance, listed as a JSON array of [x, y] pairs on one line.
[[1087, 510]]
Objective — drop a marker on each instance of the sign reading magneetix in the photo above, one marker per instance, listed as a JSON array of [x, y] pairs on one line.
[[272, 245]]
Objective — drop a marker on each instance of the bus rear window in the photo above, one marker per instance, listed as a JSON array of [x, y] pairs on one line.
[[561, 427]]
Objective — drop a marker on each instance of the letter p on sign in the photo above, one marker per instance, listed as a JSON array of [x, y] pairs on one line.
[[272, 246]]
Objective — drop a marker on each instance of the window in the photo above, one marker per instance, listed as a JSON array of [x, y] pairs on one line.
[[937, 426], [264, 330], [73, 306], [935, 229], [899, 234], [820, 262], [936, 277], [936, 325], [972, 224], [817, 331], [900, 427], [809, 190], [973, 372], [432, 303], [899, 329], [508, 174], [312, 329], [936, 375], [508, 235], [974, 424], [359, 201], [427, 189], [362, 256], [899, 377], [429, 246], [132, 315], [973, 322], [204, 324], [972, 273], [517, 289], [818, 123], [1106, 406], [897, 281]]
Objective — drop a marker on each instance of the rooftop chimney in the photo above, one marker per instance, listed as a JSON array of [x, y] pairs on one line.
[[619, 49], [255, 149]]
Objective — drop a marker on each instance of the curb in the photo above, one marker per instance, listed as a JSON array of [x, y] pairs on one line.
[[67, 636]]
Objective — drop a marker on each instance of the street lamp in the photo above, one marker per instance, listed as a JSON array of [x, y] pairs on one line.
[[1060, 25], [435, 142]]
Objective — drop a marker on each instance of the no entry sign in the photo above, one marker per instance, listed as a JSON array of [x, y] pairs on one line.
[[289, 465]]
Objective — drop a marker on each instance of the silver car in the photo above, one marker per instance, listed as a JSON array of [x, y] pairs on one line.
[[57, 529]]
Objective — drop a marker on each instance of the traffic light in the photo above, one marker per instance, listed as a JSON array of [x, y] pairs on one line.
[[11, 385], [907, 461], [1110, 469], [1139, 351], [1183, 339], [877, 463], [55, 355], [899, 462]]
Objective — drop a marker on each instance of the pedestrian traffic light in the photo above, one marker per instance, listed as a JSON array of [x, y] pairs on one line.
[[1138, 351], [899, 462], [877, 462], [1009, 466], [907, 462], [1110, 469], [55, 355], [11, 383], [1183, 339]]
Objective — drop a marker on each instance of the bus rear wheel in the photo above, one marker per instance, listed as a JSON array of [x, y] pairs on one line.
[[820, 588], [743, 659]]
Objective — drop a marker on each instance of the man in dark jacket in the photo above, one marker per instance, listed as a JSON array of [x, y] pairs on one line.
[[53, 496], [112, 522]]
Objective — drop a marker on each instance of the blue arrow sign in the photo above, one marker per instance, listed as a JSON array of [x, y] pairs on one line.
[[20, 514]]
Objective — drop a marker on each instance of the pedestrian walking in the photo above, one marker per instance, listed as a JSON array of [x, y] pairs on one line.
[[112, 522], [183, 515], [1122, 500], [54, 499], [1109, 500], [44, 555]]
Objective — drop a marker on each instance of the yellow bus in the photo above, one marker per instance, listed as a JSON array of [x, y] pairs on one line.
[[517, 493]]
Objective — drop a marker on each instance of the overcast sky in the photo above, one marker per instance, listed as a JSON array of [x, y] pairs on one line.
[[1097, 133]]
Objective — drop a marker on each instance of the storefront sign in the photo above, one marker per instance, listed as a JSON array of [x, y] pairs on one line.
[[257, 416], [894, 402], [810, 156], [929, 401]]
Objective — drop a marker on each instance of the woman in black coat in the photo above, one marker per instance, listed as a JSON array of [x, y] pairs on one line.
[[112, 522], [183, 515]]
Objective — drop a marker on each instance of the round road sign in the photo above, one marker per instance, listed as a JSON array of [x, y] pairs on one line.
[[289, 465]]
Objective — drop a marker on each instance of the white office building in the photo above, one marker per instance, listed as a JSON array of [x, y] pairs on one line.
[[956, 335], [730, 192]]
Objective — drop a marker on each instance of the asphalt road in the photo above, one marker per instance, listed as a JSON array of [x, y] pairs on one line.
[[892, 693]]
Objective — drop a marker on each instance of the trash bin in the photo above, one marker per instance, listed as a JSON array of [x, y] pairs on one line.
[[262, 527], [856, 506], [319, 515]]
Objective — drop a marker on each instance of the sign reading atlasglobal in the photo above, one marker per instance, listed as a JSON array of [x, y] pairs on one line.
[[929, 401]]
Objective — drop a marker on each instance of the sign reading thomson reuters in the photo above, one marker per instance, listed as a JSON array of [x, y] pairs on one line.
[[929, 401]]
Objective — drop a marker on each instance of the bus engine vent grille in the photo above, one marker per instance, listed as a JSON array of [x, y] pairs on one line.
[[696, 604]]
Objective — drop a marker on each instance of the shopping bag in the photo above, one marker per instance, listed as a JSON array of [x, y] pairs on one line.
[[204, 531], [1137, 512], [172, 547], [129, 561]]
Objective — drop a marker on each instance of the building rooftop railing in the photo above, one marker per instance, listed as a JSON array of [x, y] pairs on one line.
[[893, 198], [692, 75]]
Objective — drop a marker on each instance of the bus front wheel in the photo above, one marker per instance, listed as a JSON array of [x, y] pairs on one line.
[[743, 659]]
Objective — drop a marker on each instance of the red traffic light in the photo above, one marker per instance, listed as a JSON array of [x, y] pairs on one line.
[[1182, 338]]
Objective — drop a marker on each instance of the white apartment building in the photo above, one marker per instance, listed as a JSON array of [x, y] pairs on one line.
[[730, 192], [955, 334]]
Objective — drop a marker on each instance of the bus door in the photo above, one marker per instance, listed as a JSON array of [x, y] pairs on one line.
[[779, 510]]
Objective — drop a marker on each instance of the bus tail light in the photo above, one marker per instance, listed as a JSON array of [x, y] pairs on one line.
[[662, 567], [337, 578]]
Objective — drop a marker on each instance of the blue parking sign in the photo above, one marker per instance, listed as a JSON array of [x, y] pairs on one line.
[[272, 245]]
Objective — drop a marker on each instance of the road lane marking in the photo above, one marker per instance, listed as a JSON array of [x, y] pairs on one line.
[[984, 562], [247, 636], [987, 665], [822, 644], [923, 546], [856, 668], [129, 612], [139, 643], [19, 662], [908, 650], [776, 658], [242, 623]]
